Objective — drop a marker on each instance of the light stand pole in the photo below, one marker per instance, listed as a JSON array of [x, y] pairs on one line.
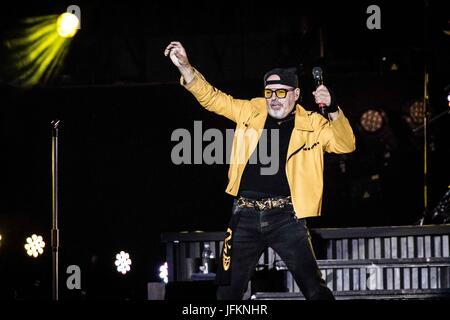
[[425, 114], [55, 231], [424, 126], [425, 149]]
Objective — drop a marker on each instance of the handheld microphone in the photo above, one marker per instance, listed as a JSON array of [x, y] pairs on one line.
[[318, 79]]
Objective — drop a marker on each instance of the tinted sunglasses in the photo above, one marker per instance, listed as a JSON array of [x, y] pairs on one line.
[[280, 93]]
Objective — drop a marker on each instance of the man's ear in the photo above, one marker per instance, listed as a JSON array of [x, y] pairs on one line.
[[297, 94]]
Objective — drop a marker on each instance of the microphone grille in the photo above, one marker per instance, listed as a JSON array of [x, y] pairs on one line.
[[317, 72]]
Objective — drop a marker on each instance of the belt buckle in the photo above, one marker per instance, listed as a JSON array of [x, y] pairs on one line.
[[278, 203], [264, 204], [260, 205]]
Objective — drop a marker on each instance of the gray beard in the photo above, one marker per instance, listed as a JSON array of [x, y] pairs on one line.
[[278, 114]]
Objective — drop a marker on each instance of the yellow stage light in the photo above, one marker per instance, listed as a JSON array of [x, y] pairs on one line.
[[38, 49], [67, 25]]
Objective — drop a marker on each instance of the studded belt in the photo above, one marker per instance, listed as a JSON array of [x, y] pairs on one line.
[[265, 203]]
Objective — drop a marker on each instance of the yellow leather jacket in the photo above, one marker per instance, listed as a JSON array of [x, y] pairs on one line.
[[312, 135]]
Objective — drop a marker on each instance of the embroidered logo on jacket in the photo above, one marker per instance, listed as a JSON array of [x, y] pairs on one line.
[[226, 258]]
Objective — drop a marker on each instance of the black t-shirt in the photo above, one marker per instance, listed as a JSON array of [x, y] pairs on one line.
[[254, 184]]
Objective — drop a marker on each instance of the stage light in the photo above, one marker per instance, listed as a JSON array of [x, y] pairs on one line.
[[372, 120], [416, 112], [413, 113], [164, 272], [123, 262], [35, 246], [37, 49], [67, 25]]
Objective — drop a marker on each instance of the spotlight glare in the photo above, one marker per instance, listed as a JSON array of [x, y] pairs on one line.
[[123, 262], [34, 245], [164, 272], [67, 25], [35, 54]]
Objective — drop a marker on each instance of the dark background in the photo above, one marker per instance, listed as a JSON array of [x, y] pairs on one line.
[[119, 101]]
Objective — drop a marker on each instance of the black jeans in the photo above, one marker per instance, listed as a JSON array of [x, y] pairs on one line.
[[281, 230]]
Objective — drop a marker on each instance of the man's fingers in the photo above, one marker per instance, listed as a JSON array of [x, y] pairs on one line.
[[168, 49], [321, 94], [320, 88], [175, 44], [171, 46]]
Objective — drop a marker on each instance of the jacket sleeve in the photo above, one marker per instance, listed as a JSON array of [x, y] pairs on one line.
[[213, 99], [337, 135]]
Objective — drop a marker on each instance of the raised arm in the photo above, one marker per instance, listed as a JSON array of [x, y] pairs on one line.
[[208, 96], [179, 58]]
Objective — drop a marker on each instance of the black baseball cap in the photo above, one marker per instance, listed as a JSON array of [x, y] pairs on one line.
[[288, 77]]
